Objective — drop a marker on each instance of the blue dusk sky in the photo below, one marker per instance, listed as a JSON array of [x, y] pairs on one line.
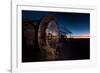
[[77, 23]]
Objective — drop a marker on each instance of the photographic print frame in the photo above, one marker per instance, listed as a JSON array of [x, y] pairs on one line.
[[18, 65]]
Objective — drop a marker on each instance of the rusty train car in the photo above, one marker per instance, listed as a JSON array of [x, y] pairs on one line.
[[43, 35]]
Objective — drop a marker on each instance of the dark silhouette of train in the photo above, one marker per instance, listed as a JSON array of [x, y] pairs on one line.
[[42, 40]]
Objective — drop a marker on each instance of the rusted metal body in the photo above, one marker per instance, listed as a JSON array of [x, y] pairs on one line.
[[43, 36], [48, 37]]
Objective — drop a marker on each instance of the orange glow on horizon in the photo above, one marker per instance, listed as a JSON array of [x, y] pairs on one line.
[[82, 36]]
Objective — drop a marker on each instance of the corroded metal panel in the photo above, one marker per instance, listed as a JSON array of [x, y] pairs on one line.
[[48, 36]]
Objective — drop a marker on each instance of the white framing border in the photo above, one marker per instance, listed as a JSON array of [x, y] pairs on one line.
[[17, 66]]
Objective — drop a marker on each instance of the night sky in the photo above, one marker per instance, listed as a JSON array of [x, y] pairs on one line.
[[77, 23]]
